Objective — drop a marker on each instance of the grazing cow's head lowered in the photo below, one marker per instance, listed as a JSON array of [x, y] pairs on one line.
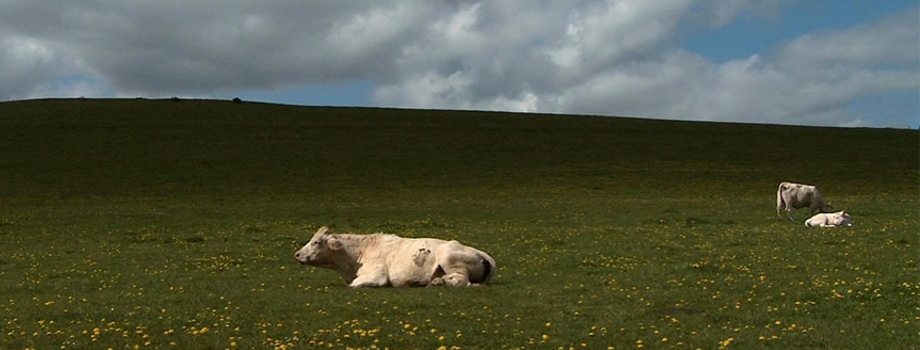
[[790, 195]]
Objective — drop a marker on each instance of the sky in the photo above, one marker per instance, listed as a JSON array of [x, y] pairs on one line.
[[849, 63]]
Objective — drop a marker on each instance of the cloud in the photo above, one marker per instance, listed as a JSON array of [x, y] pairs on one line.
[[814, 79], [197, 46], [891, 41], [27, 63], [582, 56], [518, 52], [620, 58]]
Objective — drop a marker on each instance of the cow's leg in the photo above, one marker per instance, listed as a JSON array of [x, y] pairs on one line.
[[456, 279], [789, 214], [370, 277], [366, 281], [779, 207]]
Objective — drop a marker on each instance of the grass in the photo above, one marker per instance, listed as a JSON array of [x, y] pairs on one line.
[[161, 224]]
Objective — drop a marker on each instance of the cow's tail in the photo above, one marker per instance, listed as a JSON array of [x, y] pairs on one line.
[[779, 199]]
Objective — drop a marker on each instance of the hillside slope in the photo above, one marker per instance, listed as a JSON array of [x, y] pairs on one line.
[[87, 147]]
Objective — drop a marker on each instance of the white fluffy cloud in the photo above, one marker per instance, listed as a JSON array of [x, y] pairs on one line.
[[202, 46], [607, 57], [620, 58]]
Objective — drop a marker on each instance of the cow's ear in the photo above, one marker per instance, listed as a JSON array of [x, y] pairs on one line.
[[334, 243]]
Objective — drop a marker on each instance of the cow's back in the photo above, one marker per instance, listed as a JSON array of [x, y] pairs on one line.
[[796, 195], [399, 249]]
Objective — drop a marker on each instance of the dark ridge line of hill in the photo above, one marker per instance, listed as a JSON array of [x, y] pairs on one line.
[[239, 101]]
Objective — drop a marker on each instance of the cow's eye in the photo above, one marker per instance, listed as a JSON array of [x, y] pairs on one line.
[[316, 243]]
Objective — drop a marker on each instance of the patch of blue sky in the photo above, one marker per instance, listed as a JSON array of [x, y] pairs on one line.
[[350, 94], [752, 33], [73, 86], [891, 110]]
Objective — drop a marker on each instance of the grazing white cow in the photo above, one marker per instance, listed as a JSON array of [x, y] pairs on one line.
[[839, 218], [791, 195], [380, 260]]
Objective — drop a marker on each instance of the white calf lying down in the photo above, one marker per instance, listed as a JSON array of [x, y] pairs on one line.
[[380, 260], [839, 218]]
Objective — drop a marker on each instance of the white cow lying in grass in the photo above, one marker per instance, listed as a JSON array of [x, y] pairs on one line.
[[839, 218], [380, 260]]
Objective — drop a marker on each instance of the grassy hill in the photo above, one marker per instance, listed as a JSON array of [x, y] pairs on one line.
[[161, 223]]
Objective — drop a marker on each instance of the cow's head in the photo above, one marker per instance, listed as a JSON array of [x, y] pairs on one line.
[[320, 249]]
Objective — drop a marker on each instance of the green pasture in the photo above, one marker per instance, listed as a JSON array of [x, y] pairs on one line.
[[158, 224]]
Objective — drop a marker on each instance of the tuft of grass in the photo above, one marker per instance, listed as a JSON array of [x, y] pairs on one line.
[[153, 224]]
